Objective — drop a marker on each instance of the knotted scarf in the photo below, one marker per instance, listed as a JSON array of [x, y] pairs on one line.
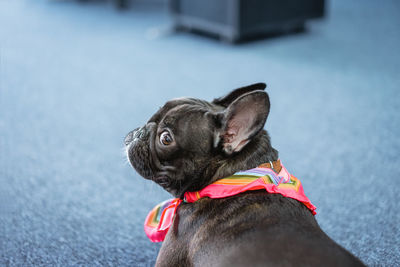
[[160, 218]]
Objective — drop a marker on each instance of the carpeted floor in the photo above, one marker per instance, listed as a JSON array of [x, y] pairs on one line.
[[75, 78]]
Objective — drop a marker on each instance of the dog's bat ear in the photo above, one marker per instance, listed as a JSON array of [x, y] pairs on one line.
[[232, 96], [242, 120]]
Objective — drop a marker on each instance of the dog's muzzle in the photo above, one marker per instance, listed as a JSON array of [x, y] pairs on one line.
[[141, 154]]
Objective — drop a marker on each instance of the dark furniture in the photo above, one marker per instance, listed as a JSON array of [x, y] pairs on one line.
[[235, 20]]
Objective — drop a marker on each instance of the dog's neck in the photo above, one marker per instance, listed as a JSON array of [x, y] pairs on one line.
[[257, 152]]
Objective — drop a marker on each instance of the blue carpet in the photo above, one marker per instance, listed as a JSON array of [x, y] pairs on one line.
[[75, 78]]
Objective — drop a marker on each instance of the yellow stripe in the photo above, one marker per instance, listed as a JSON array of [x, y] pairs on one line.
[[295, 184], [240, 181], [267, 180]]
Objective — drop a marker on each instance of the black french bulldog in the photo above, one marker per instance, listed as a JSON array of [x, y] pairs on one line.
[[189, 144]]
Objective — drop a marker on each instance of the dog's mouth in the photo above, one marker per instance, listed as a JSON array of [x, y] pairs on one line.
[[142, 156]]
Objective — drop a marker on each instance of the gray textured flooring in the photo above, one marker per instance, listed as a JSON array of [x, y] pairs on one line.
[[75, 78]]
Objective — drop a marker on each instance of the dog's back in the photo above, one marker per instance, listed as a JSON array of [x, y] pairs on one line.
[[250, 229]]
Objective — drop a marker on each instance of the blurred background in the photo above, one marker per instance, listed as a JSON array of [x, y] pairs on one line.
[[77, 76]]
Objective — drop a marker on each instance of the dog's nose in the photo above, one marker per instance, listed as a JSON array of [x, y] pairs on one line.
[[131, 136], [140, 133]]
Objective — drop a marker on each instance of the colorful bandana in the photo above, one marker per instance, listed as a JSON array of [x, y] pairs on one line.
[[160, 219]]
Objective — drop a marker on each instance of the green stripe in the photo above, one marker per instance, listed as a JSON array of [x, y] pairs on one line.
[[157, 216]]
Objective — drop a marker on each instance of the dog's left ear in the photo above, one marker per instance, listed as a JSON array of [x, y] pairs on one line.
[[242, 120], [232, 96]]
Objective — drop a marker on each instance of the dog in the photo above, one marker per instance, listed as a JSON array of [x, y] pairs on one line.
[[190, 144]]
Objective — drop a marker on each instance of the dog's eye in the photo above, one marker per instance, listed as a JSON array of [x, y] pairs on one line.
[[165, 138]]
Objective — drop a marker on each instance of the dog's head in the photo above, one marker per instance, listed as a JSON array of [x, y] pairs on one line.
[[189, 143]]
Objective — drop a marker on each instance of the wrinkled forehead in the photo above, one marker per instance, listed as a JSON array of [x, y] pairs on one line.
[[191, 127], [185, 117], [178, 106]]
